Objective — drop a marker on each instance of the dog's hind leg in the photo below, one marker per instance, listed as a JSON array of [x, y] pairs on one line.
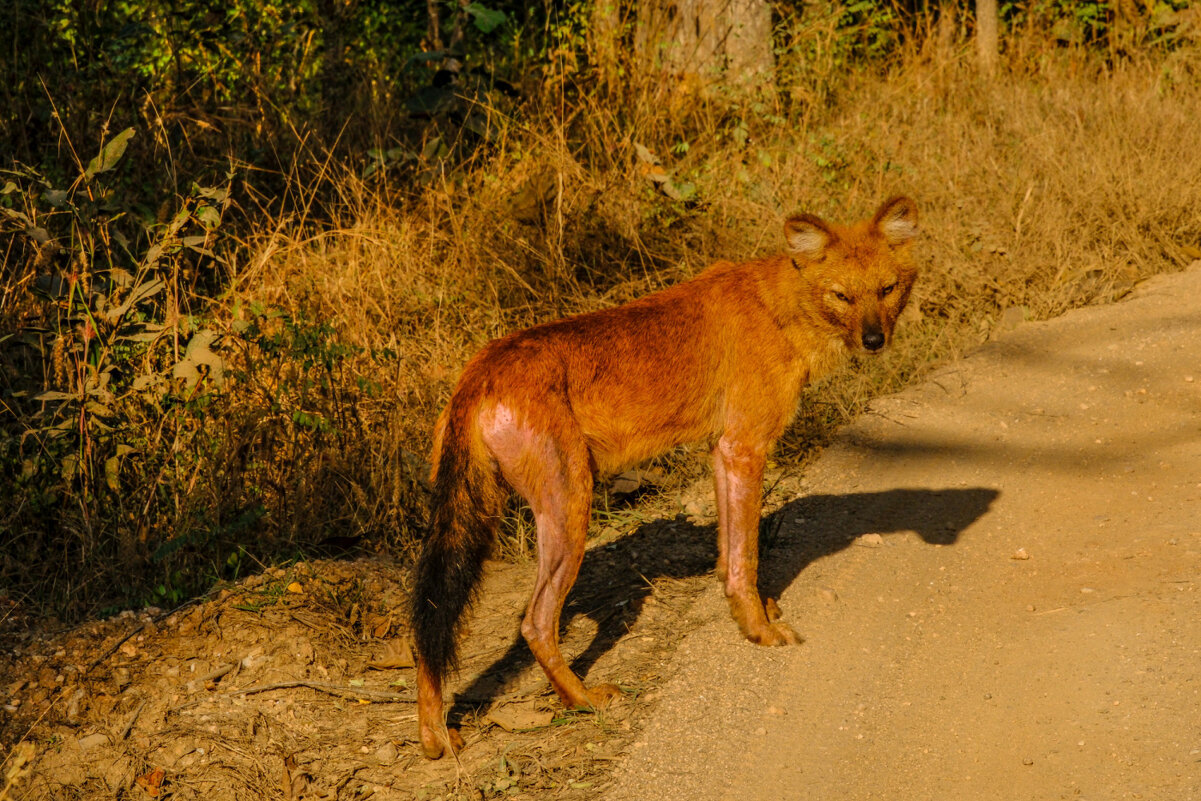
[[553, 472]]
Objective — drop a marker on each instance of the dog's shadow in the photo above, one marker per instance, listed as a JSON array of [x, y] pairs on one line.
[[616, 579]]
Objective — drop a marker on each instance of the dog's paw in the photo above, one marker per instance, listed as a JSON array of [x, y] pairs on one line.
[[602, 695], [773, 610], [434, 743], [776, 634]]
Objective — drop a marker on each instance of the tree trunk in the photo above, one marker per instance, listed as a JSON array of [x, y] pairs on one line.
[[986, 36], [605, 30], [701, 43]]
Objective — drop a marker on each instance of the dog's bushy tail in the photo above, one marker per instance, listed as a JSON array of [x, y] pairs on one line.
[[465, 509]]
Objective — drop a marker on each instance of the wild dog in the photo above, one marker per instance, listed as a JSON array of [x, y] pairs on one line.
[[721, 358]]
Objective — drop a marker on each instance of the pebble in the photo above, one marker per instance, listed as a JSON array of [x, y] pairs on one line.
[[92, 740], [828, 594], [386, 754], [870, 541]]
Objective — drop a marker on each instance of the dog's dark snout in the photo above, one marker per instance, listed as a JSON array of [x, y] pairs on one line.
[[873, 340]]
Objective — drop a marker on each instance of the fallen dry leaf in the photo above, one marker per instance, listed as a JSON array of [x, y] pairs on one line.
[[519, 717], [296, 781], [152, 782], [396, 654], [379, 625]]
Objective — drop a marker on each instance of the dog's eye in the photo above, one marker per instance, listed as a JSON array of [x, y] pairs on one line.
[[886, 291], [841, 296]]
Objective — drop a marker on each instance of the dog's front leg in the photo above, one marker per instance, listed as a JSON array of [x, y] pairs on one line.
[[739, 481], [723, 516]]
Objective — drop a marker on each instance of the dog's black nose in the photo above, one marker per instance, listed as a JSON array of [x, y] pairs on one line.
[[873, 340]]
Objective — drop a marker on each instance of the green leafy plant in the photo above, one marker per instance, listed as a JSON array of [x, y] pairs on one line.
[[110, 364]]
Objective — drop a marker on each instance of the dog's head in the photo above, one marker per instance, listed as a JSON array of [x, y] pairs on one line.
[[857, 278]]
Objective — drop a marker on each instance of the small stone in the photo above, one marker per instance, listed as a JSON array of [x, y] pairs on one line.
[[1020, 554], [73, 704], [1087, 590], [92, 741], [828, 594], [870, 541], [625, 483], [386, 754], [1027, 761]]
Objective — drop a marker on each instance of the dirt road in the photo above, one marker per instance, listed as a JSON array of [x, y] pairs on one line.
[[997, 575]]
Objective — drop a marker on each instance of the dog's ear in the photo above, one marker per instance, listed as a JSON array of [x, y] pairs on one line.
[[808, 236], [897, 220]]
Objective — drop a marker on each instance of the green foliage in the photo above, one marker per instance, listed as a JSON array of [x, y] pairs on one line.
[[485, 19], [91, 376], [142, 438], [1097, 23]]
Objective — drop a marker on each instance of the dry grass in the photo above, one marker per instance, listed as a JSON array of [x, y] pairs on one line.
[[1058, 185]]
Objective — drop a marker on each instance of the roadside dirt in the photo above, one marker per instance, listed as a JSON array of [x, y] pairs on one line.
[[996, 574]]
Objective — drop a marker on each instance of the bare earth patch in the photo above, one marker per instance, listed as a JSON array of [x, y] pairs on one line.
[[298, 683]]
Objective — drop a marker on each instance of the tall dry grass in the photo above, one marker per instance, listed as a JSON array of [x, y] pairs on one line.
[[1058, 184]]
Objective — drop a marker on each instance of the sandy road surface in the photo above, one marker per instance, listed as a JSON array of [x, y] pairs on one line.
[[936, 664]]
